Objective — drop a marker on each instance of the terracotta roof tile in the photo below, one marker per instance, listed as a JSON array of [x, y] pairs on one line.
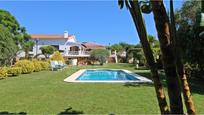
[[92, 45], [49, 36]]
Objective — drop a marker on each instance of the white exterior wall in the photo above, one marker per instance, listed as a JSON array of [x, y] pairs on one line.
[[36, 49], [61, 43], [62, 47]]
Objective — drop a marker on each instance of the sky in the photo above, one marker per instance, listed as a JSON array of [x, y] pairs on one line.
[[91, 21]]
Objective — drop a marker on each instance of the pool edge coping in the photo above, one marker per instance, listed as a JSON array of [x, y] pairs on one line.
[[72, 78]]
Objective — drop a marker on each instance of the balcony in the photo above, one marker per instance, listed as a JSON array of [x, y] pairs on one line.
[[77, 54]]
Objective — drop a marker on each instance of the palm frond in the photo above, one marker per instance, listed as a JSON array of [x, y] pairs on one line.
[[127, 4], [121, 3]]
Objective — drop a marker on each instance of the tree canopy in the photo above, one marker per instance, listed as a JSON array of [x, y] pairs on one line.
[[187, 35], [100, 55], [47, 50], [9, 21], [19, 34], [135, 51], [8, 47], [116, 47]]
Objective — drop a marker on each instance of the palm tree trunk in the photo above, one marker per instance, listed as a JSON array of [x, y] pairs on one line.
[[173, 85], [26, 54], [180, 68], [139, 24]]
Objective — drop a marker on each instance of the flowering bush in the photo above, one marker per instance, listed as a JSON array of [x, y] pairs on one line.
[[44, 65], [26, 65], [14, 71], [37, 65], [3, 72], [57, 56]]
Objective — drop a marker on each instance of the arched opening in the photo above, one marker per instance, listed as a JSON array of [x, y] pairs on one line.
[[74, 48]]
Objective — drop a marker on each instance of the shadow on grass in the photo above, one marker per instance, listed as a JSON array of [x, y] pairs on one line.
[[144, 74], [70, 111], [148, 75], [10, 113], [196, 85], [138, 84]]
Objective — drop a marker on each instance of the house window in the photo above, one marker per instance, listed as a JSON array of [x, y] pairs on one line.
[[61, 51]]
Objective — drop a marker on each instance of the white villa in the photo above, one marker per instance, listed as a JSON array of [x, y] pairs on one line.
[[65, 43]]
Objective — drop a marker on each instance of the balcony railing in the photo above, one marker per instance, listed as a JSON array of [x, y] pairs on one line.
[[77, 53]]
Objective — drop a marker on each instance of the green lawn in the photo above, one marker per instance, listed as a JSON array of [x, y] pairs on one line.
[[46, 92]]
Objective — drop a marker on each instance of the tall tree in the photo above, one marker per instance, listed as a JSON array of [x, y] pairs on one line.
[[9, 21], [27, 46], [163, 30], [180, 67], [152, 40], [134, 9], [154, 44], [126, 47], [191, 44], [8, 47], [19, 34], [116, 47], [100, 55]]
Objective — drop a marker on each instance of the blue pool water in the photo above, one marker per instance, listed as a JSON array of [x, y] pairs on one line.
[[105, 75]]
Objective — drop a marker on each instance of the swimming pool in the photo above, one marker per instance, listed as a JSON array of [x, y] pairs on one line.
[[105, 76]]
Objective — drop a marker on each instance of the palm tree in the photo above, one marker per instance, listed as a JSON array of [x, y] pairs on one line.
[[134, 9], [173, 85], [27, 46], [180, 67]]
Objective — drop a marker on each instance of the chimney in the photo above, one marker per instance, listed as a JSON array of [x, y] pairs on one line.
[[66, 34]]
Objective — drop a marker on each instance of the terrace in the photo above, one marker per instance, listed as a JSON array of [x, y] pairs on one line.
[[77, 54]]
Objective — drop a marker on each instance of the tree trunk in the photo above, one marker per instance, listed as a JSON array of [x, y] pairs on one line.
[[139, 24], [173, 85], [180, 67], [26, 54]]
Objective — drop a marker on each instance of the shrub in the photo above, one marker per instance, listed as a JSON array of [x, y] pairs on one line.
[[45, 65], [100, 55], [57, 56], [26, 65], [14, 71], [37, 65], [47, 50], [3, 72]]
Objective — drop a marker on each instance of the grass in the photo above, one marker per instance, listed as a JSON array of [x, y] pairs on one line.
[[46, 92]]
